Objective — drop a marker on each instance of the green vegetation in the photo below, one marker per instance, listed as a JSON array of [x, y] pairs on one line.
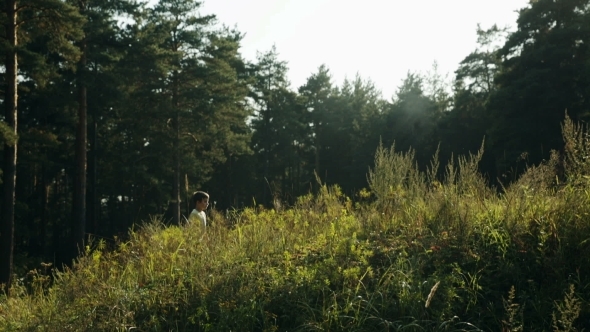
[[127, 107], [411, 254]]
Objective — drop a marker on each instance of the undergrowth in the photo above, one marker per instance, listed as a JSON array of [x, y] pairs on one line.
[[414, 254]]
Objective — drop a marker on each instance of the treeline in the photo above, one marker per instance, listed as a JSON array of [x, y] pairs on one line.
[[115, 111]]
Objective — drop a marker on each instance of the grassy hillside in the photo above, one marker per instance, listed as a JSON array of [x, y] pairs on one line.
[[411, 254]]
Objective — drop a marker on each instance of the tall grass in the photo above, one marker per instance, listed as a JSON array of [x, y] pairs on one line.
[[416, 253]]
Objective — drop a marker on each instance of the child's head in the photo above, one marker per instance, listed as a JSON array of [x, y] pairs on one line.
[[200, 200]]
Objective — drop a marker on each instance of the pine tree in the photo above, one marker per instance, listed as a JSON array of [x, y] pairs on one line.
[[462, 129], [186, 78], [544, 74], [272, 99], [318, 92], [99, 48], [60, 24]]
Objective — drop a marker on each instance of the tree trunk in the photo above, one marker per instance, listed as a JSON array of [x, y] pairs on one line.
[[92, 221], [92, 201], [316, 169], [176, 181], [44, 211], [176, 153], [9, 168], [266, 183], [56, 229], [298, 183], [79, 199]]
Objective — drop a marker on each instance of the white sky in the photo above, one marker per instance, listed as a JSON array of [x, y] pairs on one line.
[[379, 39]]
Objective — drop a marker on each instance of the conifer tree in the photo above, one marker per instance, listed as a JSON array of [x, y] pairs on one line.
[[185, 76], [544, 74], [271, 94], [99, 48], [318, 92], [60, 24]]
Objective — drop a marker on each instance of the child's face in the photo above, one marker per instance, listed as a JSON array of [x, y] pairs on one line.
[[202, 204]]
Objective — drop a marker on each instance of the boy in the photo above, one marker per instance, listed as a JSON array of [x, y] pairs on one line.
[[199, 202]]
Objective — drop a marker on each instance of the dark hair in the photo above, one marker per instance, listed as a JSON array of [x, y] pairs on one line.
[[197, 197]]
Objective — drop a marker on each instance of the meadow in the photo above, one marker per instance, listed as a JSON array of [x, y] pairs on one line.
[[412, 252]]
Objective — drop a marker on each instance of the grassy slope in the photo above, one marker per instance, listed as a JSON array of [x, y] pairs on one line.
[[421, 255], [326, 265]]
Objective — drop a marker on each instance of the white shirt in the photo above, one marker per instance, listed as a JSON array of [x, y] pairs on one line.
[[202, 217]]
